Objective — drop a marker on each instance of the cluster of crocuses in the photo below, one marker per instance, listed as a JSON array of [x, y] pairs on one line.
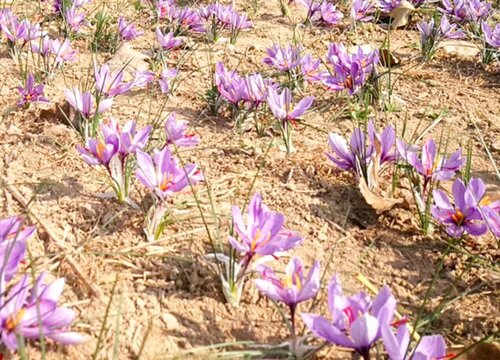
[[120, 152], [73, 17], [218, 17], [321, 13], [471, 213], [431, 34], [29, 309], [357, 321], [252, 91]]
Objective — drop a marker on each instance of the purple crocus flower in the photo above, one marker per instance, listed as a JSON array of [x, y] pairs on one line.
[[356, 320], [189, 19], [397, 345], [255, 90], [457, 9], [388, 5], [294, 288], [43, 46], [32, 313], [264, 233], [230, 84], [175, 133], [13, 29], [281, 105], [283, 58], [31, 93], [108, 83], [362, 10], [129, 138], [491, 36], [165, 9], [349, 156], [479, 10], [84, 103], [383, 143], [309, 68], [450, 31], [430, 165], [168, 41], [163, 175], [63, 51], [126, 30], [75, 21], [464, 217], [13, 237], [328, 15], [100, 152]]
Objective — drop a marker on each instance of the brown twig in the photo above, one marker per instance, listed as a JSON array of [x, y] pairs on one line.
[[92, 288]]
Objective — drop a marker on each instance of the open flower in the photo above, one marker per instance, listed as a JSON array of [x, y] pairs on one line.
[[397, 345], [362, 10], [162, 173], [175, 133], [108, 83], [294, 288], [167, 41], [491, 36], [356, 320], [349, 156], [32, 313], [84, 103], [430, 165], [281, 104], [464, 216], [31, 93], [126, 30], [75, 21], [283, 58], [264, 233], [62, 51]]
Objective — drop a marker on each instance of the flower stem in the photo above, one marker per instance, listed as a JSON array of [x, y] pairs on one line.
[[292, 329]]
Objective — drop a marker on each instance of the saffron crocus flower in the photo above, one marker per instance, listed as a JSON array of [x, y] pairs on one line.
[[84, 103], [188, 19], [126, 30], [13, 29], [238, 22], [162, 173], [328, 15], [397, 345], [255, 90], [385, 141], [281, 105], [349, 156], [264, 233], [75, 21], [108, 83], [63, 51], [31, 93], [356, 320], [294, 288], [449, 30], [464, 216], [310, 68], [283, 58], [430, 165], [168, 41], [13, 237], [231, 86], [175, 133], [491, 36], [131, 139], [478, 10], [32, 313], [362, 10], [457, 9]]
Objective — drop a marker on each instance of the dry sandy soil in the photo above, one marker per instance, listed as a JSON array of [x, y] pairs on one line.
[[165, 292]]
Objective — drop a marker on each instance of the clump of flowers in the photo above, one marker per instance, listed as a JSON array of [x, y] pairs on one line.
[[261, 239], [431, 35], [164, 175], [466, 10], [350, 71], [358, 155], [322, 13], [29, 311], [127, 31], [491, 42], [218, 17], [362, 10], [356, 320], [113, 150]]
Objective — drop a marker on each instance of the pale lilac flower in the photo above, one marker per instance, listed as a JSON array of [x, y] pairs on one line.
[[75, 21], [491, 36], [110, 84], [430, 165], [32, 313], [175, 133], [126, 30], [328, 15], [43, 46], [13, 29], [255, 90], [264, 233], [356, 320], [166, 9], [281, 105], [129, 138], [479, 10], [310, 69], [163, 175], [188, 19], [311, 6], [168, 41], [464, 216], [230, 84], [63, 51], [84, 103], [449, 30], [31, 93], [295, 288], [283, 58], [362, 10], [13, 237], [397, 345], [386, 141], [457, 9]]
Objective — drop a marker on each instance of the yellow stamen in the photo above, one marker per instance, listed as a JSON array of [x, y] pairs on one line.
[[165, 182], [100, 148], [13, 321], [485, 201], [458, 216], [29, 97]]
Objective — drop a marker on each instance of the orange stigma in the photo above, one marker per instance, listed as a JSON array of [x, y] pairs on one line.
[[458, 216], [165, 182], [13, 321], [100, 148]]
